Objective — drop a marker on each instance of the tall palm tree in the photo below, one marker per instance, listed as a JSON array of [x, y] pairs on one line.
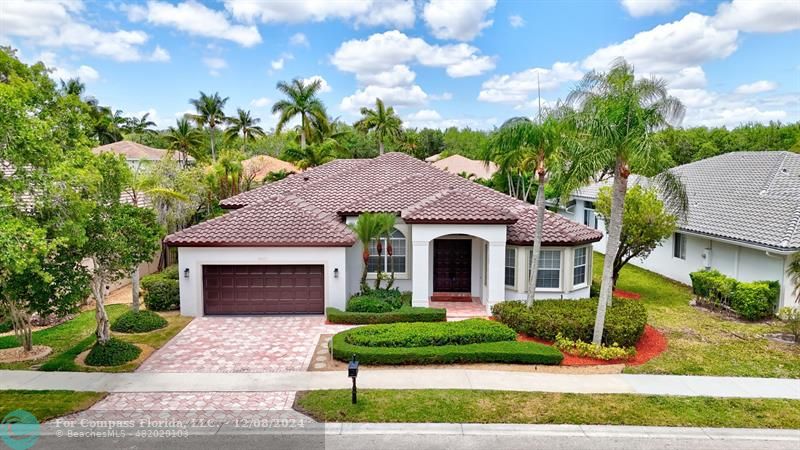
[[210, 112], [382, 121], [366, 228], [301, 101], [73, 86], [538, 148], [245, 124], [185, 139], [141, 125], [620, 112], [312, 155]]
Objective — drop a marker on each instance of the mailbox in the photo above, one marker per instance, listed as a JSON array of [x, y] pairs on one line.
[[352, 368]]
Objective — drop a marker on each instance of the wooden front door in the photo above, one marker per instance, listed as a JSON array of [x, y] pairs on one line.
[[452, 265]]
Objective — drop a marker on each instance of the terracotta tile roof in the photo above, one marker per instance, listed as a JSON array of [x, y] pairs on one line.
[[455, 206], [259, 166], [394, 182], [278, 221], [135, 151], [457, 164]]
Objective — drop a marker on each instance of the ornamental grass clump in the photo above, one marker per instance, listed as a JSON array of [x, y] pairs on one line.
[[590, 350]]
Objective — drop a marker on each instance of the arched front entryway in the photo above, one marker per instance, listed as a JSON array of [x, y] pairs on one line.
[[458, 260]]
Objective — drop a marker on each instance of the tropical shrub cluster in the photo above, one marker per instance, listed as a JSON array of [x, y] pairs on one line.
[[752, 301], [379, 300], [791, 317], [138, 322], [588, 349], [574, 319], [470, 341], [162, 290], [114, 352]]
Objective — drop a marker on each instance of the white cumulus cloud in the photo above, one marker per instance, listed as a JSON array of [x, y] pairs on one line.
[[323, 84], [260, 102], [460, 20], [762, 16], [516, 21], [392, 96], [641, 8], [395, 13], [518, 87], [299, 39], [756, 87]]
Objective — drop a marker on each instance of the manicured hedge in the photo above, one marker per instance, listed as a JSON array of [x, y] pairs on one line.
[[404, 314], [5, 325], [367, 304], [162, 290], [471, 331], [115, 352], [753, 301], [138, 322], [489, 352], [574, 319]]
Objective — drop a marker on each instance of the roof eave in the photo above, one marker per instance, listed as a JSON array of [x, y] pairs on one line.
[[258, 244], [461, 222]]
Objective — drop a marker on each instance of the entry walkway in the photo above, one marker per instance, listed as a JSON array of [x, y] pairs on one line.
[[405, 379]]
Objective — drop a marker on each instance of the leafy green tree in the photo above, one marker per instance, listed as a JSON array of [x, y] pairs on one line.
[[246, 125], [466, 142], [382, 121], [619, 113], [312, 155], [645, 224], [210, 113], [185, 139], [301, 101], [276, 175]]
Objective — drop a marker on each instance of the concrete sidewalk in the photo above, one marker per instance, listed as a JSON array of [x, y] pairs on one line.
[[405, 379]]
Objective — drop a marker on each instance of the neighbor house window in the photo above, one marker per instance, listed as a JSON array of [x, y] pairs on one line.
[[579, 268], [511, 266], [679, 246], [396, 262], [589, 216], [549, 273]]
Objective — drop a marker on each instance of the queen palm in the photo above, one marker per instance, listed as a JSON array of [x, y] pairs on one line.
[[619, 113], [367, 227], [301, 101], [209, 112], [246, 125], [184, 138], [312, 155], [382, 121], [539, 148]]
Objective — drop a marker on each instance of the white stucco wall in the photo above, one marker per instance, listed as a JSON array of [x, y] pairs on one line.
[[567, 289], [194, 258]]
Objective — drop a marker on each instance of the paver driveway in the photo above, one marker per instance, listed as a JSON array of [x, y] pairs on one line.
[[242, 344]]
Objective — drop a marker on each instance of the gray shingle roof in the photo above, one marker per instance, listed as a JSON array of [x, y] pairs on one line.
[[753, 197]]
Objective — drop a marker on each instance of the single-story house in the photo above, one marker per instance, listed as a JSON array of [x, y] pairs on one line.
[[260, 166], [743, 218], [286, 247], [457, 165], [136, 154]]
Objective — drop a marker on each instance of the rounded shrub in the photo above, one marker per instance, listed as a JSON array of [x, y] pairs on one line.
[[5, 325], [115, 352], [368, 304], [574, 319], [471, 331], [138, 322], [161, 293], [756, 300]]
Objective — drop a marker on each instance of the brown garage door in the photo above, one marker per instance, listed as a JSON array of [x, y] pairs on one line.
[[288, 289]]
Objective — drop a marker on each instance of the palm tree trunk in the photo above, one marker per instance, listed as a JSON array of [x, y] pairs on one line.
[[213, 151], [380, 147], [537, 240], [618, 191], [103, 332], [135, 290], [302, 138]]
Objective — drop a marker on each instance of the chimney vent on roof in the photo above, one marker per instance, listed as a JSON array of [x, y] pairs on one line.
[[305, 177]]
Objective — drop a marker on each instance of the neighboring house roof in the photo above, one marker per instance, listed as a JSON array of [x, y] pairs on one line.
[[259, 166], [457, 164], [591, 191], [752, 197], [135, 151], [434, 158], [395, 183]]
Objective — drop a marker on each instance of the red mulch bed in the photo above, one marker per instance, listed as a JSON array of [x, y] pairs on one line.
[[651, 344], [627, 294]]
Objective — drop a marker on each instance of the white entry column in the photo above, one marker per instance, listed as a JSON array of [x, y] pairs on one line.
[[495, 273], [420, 273]]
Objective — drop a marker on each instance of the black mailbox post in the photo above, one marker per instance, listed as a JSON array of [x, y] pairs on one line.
[[352, 372]]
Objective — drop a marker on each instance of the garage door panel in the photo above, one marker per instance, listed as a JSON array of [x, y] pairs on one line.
[[263, 289]]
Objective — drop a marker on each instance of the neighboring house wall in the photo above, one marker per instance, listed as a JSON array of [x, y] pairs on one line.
[[193, 258]]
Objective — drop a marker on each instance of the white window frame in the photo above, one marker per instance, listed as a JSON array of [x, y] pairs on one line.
[[514, 267], [560, 252], [585, 266], [586, 209], [401, 275], [679, 246]]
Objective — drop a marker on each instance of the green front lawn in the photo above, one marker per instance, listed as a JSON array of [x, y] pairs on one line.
[[700, 342], [46, 405], [470, 406], [73, 337]]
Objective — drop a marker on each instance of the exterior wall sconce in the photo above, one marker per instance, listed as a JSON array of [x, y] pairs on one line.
[[335, 272], [186, 273]]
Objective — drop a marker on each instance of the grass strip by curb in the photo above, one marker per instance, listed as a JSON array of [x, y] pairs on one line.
[[46, 405], [468, 406]]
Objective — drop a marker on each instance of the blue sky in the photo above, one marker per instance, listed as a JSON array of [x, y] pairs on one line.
[[440, 63]]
